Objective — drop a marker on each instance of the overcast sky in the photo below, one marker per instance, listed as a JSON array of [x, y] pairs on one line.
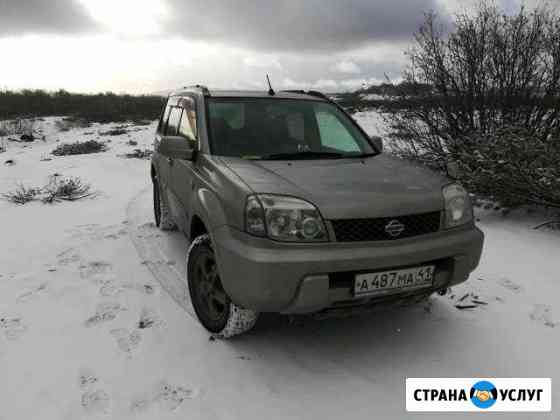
[[143, 46]]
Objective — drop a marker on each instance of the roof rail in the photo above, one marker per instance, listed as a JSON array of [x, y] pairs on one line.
[[204, 89], [318, 94], [300, 91], [310, 93]]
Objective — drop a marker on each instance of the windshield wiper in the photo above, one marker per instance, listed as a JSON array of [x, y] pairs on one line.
[[303, 156], [361, 155]]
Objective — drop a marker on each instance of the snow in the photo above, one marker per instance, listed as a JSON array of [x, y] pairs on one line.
[[95, 320], [372, 97], [371, 122]]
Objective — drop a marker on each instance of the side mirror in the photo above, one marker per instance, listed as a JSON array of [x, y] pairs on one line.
[[176, 147], [453, 170], [377, 142]]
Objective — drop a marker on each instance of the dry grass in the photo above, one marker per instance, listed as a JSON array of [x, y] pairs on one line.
[[65, 189], [118, 131], [80, 148], [69, 123], [58, 189], [22, 194], [20, 126], [139, 154]]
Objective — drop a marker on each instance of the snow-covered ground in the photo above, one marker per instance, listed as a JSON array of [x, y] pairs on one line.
[[95, 320], [371, 122]]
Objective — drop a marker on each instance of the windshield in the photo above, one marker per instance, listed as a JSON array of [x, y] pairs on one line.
[[283, 129]]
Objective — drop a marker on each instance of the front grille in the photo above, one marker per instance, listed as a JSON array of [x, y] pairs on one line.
[[378, 229]]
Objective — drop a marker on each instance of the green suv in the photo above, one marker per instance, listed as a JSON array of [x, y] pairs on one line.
[[291, 208]]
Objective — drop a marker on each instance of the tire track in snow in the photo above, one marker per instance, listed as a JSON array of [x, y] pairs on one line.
[[149, 243]]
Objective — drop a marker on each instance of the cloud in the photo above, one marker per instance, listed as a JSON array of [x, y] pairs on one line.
[[262, 61], [294, 25], [346, 66], [43, 16]]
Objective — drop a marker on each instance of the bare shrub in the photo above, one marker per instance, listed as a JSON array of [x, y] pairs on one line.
[[486, 92], [142, 122], [119, 131], [22, 194], [65, 189], [139, 154], [514, 167], [69, 123], [79, 148], [58, 189], [20, 126]]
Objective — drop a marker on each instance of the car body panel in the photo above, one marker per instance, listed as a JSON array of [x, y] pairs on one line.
[[266, 276], [348, 188]]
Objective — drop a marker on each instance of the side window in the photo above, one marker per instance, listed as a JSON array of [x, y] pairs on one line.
[[187, 127], [334, 134], [163, 120], [173, 123]]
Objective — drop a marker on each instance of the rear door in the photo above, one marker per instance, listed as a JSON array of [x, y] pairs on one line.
[[184, 172]]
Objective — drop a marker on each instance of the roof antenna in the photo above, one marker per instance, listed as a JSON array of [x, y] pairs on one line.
[[270, 90]]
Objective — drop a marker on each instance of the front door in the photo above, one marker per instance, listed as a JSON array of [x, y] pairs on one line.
[[183, 172], [162, 162]]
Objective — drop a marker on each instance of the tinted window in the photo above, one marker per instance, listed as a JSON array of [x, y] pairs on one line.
[[187, 127], [258, 128], [164, 118], [333, 132], [173, 123]]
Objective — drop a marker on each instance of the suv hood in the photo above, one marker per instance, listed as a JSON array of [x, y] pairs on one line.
[[379, 186]]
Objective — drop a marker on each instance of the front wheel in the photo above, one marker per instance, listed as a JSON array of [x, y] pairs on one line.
[[213, 307]]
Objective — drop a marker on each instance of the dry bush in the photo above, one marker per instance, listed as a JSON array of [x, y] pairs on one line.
[[80, 148], [513, 167], [103, 108], [142, 122], [58, 189], [65, 189], [20, 126], [493, 102], [69, 123], [22, 194], [118, 131], [139, 154]]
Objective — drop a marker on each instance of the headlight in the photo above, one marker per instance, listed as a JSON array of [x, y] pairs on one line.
[[458, 208], [284, 218]]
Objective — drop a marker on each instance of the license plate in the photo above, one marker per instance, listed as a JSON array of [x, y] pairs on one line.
[[407, 278]]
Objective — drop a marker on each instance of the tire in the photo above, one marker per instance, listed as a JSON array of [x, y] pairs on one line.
[[162, 215], [213, 307]]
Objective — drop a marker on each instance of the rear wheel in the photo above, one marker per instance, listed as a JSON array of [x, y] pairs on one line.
[[162, 214], [215, 310]]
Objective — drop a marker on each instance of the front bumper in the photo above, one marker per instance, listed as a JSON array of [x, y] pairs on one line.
[[269, 276]]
